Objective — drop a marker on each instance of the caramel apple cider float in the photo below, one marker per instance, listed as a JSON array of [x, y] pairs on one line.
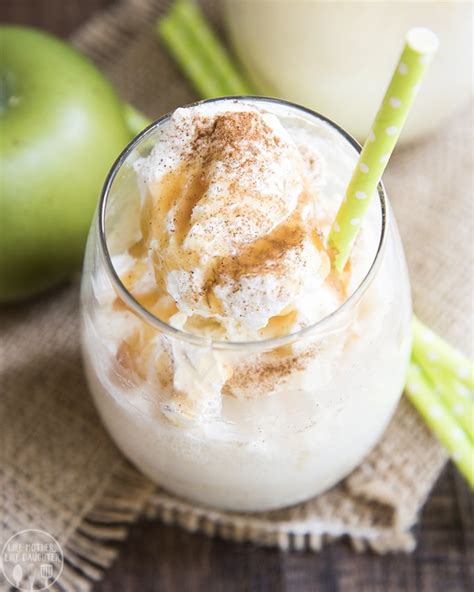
[[228, 360]]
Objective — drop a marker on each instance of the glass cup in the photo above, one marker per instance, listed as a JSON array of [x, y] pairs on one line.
[[295, 414]]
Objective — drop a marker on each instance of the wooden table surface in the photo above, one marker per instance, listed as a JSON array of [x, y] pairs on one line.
[[159, 558]]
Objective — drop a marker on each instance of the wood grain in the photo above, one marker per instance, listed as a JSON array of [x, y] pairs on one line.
[[159, 558]]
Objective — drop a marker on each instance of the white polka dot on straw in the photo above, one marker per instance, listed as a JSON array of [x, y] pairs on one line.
[[415, 89], [371, 136], [363, 168], [458, 434], [427, 337], [462, 390], [462, 373], [361, 194], [395, 102], [384, 158], [456, 455], [436, 412], [403, 68], [355, 221], [458, 408], [392, 130], [337, 228], [432, 356]]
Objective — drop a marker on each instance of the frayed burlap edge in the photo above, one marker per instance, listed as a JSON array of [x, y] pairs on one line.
[[92, 546], [291, 535], [90, 549]]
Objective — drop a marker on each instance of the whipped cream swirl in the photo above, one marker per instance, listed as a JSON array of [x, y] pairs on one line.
[[229, 220]]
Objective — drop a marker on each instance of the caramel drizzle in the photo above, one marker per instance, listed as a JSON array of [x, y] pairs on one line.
[[180, 191]]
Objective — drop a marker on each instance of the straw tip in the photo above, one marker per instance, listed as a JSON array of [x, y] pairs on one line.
[[422, 40]]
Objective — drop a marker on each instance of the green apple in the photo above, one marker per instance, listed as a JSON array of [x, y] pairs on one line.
[[61, 127]]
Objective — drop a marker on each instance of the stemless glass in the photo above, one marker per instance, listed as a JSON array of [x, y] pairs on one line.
[[296, 413]]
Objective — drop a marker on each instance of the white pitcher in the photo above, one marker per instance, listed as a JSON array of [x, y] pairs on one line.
[[337, 57]]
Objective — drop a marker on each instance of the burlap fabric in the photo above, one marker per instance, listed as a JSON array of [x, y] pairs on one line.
[[58, 469]]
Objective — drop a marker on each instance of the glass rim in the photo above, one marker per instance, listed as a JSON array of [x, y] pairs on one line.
[[321, 326]]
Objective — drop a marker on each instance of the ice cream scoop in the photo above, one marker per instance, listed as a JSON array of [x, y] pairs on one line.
[[229, 218]]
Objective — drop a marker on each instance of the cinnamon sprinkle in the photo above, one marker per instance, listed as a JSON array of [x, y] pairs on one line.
[[232, 141]]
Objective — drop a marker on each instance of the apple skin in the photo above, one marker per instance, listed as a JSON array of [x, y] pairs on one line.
[[61, 128]]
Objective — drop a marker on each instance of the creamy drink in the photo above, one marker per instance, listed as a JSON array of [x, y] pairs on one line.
[[228, 360]]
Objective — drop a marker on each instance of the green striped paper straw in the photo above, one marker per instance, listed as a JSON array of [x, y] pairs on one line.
[[455, 397], [426, 343], [199, 53], [449, 371], [185, 52], [190, 16], [441, 422], [420, 46]]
